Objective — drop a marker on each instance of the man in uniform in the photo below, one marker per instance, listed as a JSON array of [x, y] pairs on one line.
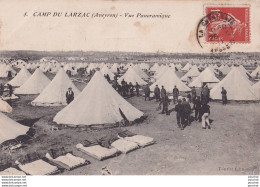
[[137, 89], [179, 114], [175, 93], [197, 108], [165, 102], [157, 93], [224, 96], [163, 92], [205, 111], [186, 111], [69, 95], [193, 94], [146, 92]]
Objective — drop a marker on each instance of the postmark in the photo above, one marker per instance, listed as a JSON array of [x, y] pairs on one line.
[[223, 27]]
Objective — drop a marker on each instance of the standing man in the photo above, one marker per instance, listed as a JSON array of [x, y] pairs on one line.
[[137, 89], [186, 111], [10, 88], [157, 93], [193, 94], [224, 96], [69, 95], [205, 111], [175, 93], [179, 111], [197, 108], [146, 92], [163, 92], [165, 102], [131, 88], [1, 89]]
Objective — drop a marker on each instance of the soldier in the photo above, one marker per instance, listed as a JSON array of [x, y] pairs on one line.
[[69, 95], [165, 102], [10, 88], [205, 111], [157, 93], [224, 96], [193, 94], [131, 88], [146, 92], [186, 111], [163, 92], [179, 114], [137, 89], [197, 108], [1, 89], [175, 93]]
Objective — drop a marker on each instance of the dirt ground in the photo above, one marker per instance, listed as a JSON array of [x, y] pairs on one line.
[[230, 147]]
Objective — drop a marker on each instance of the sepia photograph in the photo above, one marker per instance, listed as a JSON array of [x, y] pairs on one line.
[[123, 88]]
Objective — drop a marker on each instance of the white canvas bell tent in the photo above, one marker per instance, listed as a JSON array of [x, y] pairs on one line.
[[193, 72], [256, 88], [186, 67], [5, 107], [10, 129], [5, 69], [140, 72], [20, 78], [237, 86], [131, 76], [207, 76], [254, 73], [34, 85], [55, 93], [98, 103], [105, 70], [169, 80]]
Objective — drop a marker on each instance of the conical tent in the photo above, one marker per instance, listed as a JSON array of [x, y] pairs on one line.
[[225, 69], [237, 86], [98, 103], [140, 72], [193, 72], [21, 77], [10, 129], [105, 70], [257, 70], [169, 80], [131, 76], [34, 85], [5, 69], [114, 68], [256, 89], [186, 67], [207, 76], [55, 93], [5, 107]]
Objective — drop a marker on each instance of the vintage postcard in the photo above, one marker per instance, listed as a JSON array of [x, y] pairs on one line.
[[129, 87]]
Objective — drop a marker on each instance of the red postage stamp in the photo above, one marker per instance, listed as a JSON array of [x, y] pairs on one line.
[[224, 26], [232, 23]]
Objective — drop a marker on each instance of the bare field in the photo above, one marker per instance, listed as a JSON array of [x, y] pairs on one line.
[[230, 147]]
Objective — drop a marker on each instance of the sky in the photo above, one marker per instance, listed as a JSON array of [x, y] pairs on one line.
[[176, 34]]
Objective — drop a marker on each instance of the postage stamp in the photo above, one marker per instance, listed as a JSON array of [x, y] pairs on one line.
[[224, 26]]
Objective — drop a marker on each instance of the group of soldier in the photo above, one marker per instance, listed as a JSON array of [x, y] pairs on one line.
[[9, 87], [126, 89], [183, 107]]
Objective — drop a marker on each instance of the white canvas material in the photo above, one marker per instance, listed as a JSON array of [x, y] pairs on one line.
[[98, 103], [169, 80], [193, 72], [131, 76], [20, 78], [206, 76], [237, 86], [10, 129], [34, 85], [257, 70], [5, 107], [55, 93], [105, 70], [256, 88]]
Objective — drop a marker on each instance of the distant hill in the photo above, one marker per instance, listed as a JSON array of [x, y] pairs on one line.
[[36, 55]]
